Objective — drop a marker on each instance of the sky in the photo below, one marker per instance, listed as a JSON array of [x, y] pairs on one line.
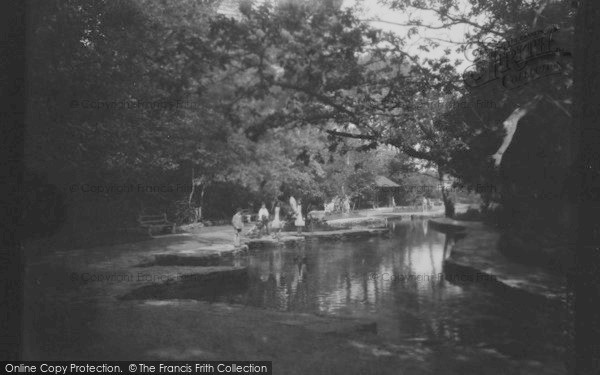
[[382, 17]]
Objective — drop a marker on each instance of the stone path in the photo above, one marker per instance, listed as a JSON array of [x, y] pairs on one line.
[[380, 216]]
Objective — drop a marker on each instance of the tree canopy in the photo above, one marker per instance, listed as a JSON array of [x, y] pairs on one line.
[[284, 98]]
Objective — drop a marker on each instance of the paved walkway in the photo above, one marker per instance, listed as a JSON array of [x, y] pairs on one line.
[[373, 217], [477, 252], [381, 215]]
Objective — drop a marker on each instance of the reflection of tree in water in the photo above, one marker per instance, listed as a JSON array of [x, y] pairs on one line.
[[342, 276], [282, 282], [302, 268], [439, 327], [416, 300], [447, 247], [336, 278]]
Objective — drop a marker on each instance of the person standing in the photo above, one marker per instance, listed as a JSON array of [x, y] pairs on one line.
[[263, 217], [276, 223], [424, 204], [238, 225], [299, 219], [346, 205], [293, 204]]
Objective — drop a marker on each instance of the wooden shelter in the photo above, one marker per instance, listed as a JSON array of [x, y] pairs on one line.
[[386, 189]]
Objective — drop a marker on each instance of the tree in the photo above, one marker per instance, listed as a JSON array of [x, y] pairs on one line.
[[111, 90], [352, 173], [331, 70], [490, 24], [522, 145]]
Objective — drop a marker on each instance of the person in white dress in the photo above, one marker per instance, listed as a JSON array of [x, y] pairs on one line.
[[263, 218], [346, 205], [276, 223], [238, 225], [293, 204], [299, 219]]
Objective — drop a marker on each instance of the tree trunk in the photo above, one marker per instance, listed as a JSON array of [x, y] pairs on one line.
[[191, 196], [199, 211], [510, 126]]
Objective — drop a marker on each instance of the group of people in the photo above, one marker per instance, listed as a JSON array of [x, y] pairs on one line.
[[338, 204], [265, 224]]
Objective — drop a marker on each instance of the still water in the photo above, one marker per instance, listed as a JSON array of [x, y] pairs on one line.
[[399, 283]]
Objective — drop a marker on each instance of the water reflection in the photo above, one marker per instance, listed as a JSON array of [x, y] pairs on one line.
[[345, 277], [448, 245], [399, 283], [349, 277]]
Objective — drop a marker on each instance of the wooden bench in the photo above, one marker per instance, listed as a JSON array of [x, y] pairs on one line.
[[155, 221]]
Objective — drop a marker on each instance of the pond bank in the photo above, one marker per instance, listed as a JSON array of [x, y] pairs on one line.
[[380, 216], [476, 254], [137, 300], [140, 301]]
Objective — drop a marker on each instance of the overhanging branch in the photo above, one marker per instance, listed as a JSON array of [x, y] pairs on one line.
[[408, 150]]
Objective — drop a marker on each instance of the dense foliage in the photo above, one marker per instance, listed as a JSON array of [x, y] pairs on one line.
[[174, 106]]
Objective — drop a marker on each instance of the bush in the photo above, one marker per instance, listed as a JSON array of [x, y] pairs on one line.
[[184, 213]]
